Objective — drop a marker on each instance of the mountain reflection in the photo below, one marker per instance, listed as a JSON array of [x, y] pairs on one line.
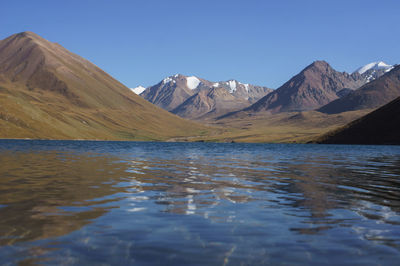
[[311, 187], [49, 194]]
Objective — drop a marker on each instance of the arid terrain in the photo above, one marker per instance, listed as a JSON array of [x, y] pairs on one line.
[[47, 92]]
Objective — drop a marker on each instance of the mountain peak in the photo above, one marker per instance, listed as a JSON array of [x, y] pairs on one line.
[[28, 35], [319, 64], [374, 66], [178, 75], [315, 86], [192, 82]]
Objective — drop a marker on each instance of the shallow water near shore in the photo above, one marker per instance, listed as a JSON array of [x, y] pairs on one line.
[[149, 203]]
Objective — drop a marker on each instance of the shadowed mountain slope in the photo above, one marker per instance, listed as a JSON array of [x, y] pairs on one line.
[[48, 92], [209, 103], [378, 127]]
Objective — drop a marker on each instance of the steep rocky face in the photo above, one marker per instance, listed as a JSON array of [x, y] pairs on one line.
[[315, 86], [48, 92], [372, 95], [379, 127], [210, 103], [195, 98]]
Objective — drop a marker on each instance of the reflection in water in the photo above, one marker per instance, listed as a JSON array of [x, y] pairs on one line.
[[164, 203], [50, 194]]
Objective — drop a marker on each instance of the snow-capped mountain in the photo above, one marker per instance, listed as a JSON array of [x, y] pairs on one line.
[[373, 70], [315, 86], [174, 90], [207, 97], [245, 91], [138, 90]]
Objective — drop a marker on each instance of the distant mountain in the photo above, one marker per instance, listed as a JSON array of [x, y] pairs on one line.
[[48, 92], [374, 70], [372, 95], [315, 86], [174, 90], [210, 103], [248, 92], [194, 98], [379, 127], [138, 90]]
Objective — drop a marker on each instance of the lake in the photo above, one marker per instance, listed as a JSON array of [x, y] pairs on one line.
[[149, 203]]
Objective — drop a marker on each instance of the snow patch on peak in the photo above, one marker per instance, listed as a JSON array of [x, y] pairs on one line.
[[374, 66], [138, 90], [388, 69], [246, 85], [232, 86], [216, 84], [192, 82], [168, 80]]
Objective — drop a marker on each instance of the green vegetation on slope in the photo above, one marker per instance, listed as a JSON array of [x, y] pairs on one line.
[[47, 115], [295, 127]]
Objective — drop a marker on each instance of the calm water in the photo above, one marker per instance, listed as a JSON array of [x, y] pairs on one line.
[[78, 202]]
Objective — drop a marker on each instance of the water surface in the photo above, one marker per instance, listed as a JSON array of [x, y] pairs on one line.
[[83, 202]]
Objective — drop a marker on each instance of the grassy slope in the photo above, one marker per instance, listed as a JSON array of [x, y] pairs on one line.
[[284, 127], [48, 115]]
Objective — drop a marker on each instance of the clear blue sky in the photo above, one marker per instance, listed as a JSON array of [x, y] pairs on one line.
[[255, 41]]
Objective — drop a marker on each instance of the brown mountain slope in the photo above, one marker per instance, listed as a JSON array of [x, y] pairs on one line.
[[48, 92], [371, 95], [315, 86], [209, 103], [378, 127]]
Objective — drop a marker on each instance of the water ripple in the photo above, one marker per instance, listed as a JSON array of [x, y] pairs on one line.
[[178, 203]]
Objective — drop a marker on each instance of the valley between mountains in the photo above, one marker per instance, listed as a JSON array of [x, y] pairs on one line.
[[48, 92]]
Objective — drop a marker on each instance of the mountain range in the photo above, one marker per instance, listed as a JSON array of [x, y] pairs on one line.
[[48, 92], [196, 98], [315, 86]]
